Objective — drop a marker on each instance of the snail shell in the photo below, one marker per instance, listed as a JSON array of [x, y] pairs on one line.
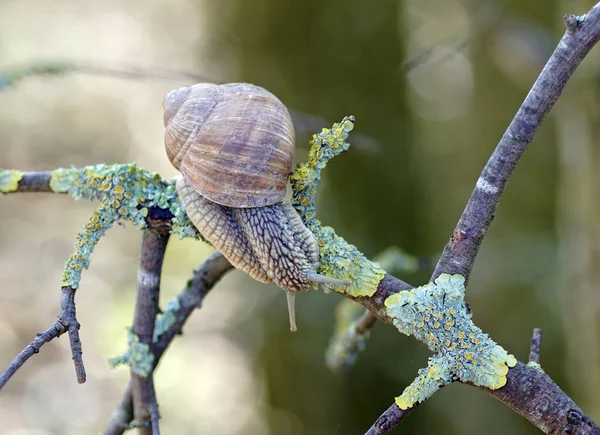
[[233, 143]]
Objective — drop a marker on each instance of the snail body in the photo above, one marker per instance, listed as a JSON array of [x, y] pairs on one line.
[[234, 146]]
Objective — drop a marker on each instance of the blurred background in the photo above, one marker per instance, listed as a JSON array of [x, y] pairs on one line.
[[433, 85]]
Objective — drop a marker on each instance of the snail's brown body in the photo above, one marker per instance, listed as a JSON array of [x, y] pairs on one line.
[[234, 146]]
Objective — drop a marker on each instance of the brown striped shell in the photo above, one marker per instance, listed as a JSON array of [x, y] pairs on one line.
[[233, 143]]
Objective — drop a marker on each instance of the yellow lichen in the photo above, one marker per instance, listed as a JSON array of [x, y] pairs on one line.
[[9, 180], [476, 358], [339, 259]]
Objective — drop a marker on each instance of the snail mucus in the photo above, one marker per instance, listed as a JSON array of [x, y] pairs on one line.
[[234, 146]]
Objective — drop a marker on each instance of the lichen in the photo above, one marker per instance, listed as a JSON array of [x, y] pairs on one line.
[[165, 320], [137, 356], [339, 259], [125, 192], [9, 180], [437, 315], [347, 341], [536, 366]]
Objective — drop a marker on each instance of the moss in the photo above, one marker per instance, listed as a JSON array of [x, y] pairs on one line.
[[137, 356], [339, 259], [125, 193], [437, 315], [9, 180]]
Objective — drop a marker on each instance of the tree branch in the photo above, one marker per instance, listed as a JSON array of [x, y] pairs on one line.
[[56, 330], [459, 254], [389, 420], [122, 415], [154, 244], [69, 319], [535, 396], [190, 298], [536, 342], [66, 322]]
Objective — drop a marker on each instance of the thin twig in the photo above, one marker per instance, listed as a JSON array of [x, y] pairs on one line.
[[122, 415], [190, 298], [69, 319], [154, 417], [459, 254], [534, 349], [66, 322], [154, 244], [389, 420], [365, 322], [56, 330]]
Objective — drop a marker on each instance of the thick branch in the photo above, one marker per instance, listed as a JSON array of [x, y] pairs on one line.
[[460, 252], [154, 244], [532, 393]]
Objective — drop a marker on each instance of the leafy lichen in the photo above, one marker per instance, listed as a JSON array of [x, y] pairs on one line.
[[339, 259], [125, 192], [437, 315], [165, 320], [137, 356], [9, 180]]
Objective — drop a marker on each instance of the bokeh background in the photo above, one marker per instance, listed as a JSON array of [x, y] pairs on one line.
[[432, 83]]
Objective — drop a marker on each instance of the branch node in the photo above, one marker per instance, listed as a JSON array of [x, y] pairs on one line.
[[573, 22]]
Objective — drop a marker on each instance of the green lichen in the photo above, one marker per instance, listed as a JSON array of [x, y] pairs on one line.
[[437, 315], [536, 366], [9, 180], [339, 259], [165, 320], [137, 356], [125, 193], [347, 341]]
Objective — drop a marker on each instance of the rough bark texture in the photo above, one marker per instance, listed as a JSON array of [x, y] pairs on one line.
[[535, 396], [154, 244]]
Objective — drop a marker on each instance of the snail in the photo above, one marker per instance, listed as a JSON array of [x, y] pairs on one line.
[[233, 145]]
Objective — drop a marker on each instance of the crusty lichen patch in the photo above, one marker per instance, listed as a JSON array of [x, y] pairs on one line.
[[125, 192], [166, 319], [339, 259], [137, 356], [9, 180], [437, 315]]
